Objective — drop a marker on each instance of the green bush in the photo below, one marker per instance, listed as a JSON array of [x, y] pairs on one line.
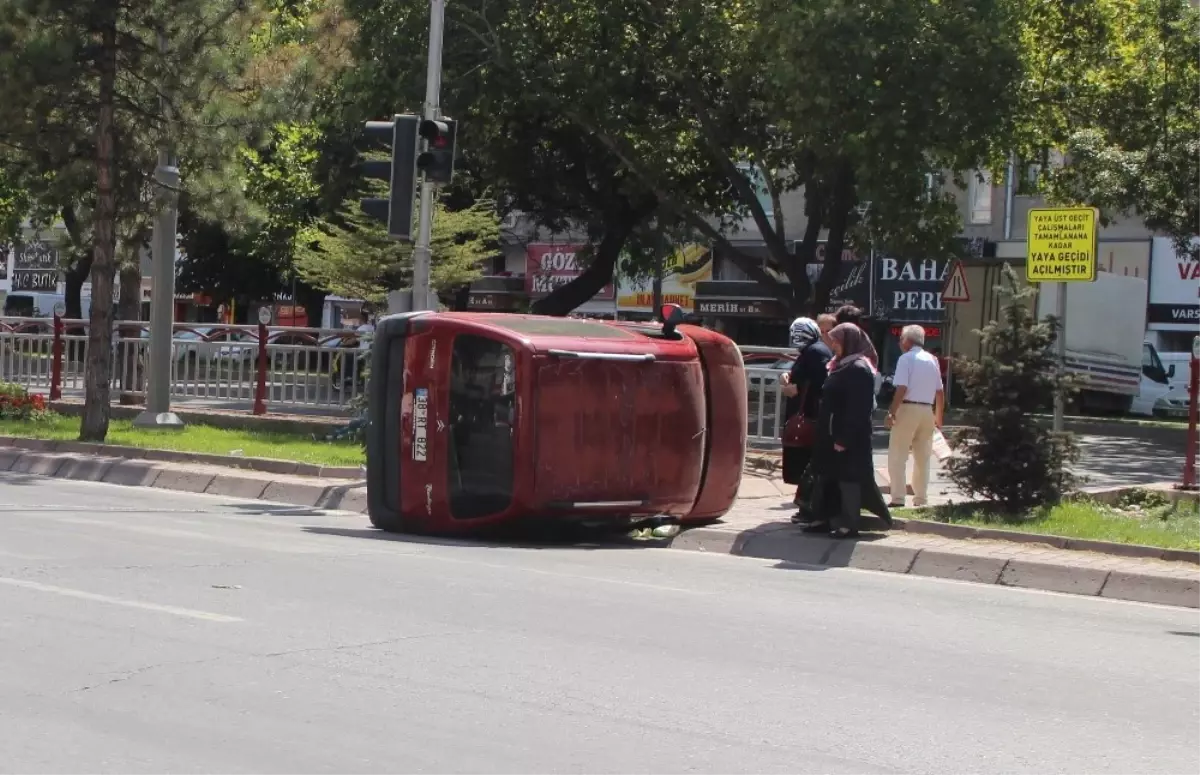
[[1006, 456]]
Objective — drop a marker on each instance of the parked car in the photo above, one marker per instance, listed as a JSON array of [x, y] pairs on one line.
[[771, 361], [212, 344]]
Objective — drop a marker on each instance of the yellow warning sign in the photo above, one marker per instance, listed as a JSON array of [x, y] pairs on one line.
[[1062, 245]]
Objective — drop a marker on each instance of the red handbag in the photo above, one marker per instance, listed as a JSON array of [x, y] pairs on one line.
[[799, 431]]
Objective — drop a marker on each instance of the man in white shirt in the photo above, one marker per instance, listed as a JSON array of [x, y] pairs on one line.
[[915, 413]]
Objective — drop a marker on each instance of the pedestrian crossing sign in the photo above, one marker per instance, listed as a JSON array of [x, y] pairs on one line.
[[956, 290]]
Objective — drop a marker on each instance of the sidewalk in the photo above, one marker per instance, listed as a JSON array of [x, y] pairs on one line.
[[759, 526], [1030, 566]]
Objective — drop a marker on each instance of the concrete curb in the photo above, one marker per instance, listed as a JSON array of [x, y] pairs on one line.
[[968, 533], [319, 493], [777, 542], [266, 465]]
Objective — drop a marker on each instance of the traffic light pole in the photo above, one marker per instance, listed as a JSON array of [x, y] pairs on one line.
[[423, 299]]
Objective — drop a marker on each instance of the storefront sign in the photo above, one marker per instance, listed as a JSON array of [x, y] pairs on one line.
[[909, 291], [1187, 314], [681, 271], [718, 307], [481, 301], [931, 332], [853, 284], [1174, 287], [549, 267], [848, 254], [35, 268]]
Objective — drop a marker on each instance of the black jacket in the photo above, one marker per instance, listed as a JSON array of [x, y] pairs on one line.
[[810, 369], [847, 403]]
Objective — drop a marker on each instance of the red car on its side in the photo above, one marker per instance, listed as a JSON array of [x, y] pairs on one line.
[[481, 419]]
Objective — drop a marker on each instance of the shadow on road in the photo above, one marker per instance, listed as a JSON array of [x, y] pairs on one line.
[[267, 510], [560, 537]]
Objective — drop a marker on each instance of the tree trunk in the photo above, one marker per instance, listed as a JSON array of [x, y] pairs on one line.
[[74, 278], [656, 289], [314, 303], [807, 252], [98, 374], [80, 267], [842, 199], [130, 309]]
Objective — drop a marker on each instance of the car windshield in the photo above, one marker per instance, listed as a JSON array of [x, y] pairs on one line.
[[482, 407]]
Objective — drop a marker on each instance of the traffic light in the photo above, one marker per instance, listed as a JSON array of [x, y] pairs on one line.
[[437, 161], [399, 134]]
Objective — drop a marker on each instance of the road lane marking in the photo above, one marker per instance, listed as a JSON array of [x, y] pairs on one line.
[[188, 613]]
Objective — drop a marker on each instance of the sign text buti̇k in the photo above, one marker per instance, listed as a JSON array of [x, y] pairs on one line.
[[1062, 245]]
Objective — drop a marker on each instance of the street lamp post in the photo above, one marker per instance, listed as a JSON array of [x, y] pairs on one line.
[[158, 412]]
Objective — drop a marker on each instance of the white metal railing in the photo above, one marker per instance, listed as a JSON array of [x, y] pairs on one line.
[[218, 364], [764, 367], [214, 364]]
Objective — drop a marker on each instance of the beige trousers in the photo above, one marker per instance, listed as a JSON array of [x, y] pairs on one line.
[[911, 432]]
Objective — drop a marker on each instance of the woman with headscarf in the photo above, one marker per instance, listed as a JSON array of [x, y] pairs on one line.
[[802, 386], [849, 313], [843, 454]]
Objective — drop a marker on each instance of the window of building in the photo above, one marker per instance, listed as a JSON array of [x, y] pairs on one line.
[[979, 196], [1176, 341]]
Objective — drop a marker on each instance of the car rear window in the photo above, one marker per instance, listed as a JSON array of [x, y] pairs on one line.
[[482, 407]]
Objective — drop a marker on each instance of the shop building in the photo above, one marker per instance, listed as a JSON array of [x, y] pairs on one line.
[[1173, 310], [907, 292], [751, 315]]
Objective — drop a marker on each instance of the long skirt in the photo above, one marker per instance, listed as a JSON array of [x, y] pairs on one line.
[[795, 461]]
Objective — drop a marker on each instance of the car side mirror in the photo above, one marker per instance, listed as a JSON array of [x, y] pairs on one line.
[[672, 316], [1171, 371]]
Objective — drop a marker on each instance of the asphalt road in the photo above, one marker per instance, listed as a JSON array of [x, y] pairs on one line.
[[159, 632]]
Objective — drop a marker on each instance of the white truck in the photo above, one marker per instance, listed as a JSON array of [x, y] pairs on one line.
[[1107, 351]]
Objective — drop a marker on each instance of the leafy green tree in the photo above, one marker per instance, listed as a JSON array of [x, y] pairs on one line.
[[15, 204], [851, 102], [90, 92], [93, 90], [516, 143], [1108, 108], [252, 257], [1007, 456]]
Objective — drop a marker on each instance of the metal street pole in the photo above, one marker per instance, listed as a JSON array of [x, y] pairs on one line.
[[1060, 347], [422, 298], [948, 351], [158, 412]]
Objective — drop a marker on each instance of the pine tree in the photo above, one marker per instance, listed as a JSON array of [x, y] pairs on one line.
[[351, 255], [1007, 456], [91, 90]]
